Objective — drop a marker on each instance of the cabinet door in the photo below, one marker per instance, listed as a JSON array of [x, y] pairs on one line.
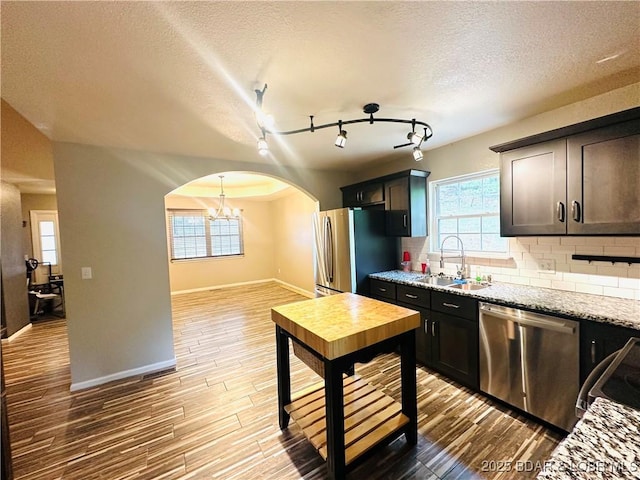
[[597, 340], [423, 335], [604, 180], [406, 206], [455, 348], [533, 190], [397, 207], [363, 194]]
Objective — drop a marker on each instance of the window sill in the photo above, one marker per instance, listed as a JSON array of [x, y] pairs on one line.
[[205, 259]]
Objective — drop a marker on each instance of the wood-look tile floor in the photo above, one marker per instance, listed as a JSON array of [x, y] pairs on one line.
[[215, 416]]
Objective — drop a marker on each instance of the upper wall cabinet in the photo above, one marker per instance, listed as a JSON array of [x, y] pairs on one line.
[[363, 194], [404, 197], [578, 180]]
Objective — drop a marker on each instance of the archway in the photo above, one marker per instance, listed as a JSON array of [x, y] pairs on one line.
[[272, 238]]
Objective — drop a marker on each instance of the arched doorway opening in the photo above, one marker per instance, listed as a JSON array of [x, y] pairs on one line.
[[272, 238]]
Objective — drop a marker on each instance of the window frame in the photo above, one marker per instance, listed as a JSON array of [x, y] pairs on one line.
[[434, 245], [209, 234]]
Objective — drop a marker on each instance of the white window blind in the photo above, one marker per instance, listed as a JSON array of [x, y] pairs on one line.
[[468, 207], [193, 234]]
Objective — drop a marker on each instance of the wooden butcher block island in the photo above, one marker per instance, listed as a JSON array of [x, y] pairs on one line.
[[344, 417]]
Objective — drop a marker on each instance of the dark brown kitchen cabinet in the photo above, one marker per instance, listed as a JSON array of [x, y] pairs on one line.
[[406, 205], [603, 184], [581, 180], [454, 334], [455, 348], [403, 195], [533, 190], [597, 340], [363, 194]]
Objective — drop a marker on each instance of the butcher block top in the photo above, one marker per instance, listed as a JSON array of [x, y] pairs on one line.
[[340, 324]]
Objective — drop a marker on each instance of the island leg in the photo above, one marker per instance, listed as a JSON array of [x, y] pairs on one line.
[[334, 403], [284, 376], [409, 388]]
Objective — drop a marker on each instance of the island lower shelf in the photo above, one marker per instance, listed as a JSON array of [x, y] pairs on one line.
[[370, 416]]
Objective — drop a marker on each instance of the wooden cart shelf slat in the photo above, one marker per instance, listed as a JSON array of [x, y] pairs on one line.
[[370, 416]]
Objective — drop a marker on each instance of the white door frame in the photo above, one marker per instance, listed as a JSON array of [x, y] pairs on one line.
[[41, 274]]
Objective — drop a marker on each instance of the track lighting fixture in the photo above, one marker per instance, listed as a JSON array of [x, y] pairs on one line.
[[369, 109], [341, 140]]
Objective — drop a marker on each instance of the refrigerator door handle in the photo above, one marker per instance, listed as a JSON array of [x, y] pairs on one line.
[[328, 239]]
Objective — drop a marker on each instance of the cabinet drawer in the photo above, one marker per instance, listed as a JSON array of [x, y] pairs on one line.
[[419, 297], [380, 288], [457, 305]]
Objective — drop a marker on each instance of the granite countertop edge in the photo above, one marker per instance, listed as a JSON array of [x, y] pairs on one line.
[[615, 311], [604, 444]]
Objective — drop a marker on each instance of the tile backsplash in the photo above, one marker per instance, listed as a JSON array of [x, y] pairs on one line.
[[528, 258]]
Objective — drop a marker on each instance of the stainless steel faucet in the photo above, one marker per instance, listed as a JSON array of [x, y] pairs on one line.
[[461, 256]]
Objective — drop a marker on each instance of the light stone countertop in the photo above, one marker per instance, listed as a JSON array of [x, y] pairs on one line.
[[598, 308], [604, 444]]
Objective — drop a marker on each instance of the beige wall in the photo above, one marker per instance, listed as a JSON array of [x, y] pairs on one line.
[[524, 255], [27, 155], [293, 240], [112, 218], [277, 244], [14, 303], [256, 264]]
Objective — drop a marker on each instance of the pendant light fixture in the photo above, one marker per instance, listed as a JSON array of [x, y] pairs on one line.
[[415, 139], [223, 212]]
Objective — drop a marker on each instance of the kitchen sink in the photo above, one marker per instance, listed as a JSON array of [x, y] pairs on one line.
[[442, 281], [467, 286]]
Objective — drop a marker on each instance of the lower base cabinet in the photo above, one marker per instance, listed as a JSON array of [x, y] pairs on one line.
[[454, 346], [597, 341], [448, 336]]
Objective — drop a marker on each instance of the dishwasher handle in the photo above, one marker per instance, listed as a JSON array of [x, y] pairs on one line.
[[530, 320]]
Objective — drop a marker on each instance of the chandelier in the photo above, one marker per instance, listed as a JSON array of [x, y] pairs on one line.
[[223, 212], [415, 139]]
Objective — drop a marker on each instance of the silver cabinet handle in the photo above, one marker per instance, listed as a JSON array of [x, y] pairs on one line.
[[450, 305], [560, 211], [408, 295], [426, 326], [382, 289], [433, 329], [404, 221], [576, 211], [593, 352]]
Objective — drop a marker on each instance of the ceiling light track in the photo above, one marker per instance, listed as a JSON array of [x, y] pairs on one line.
[[414, 138]]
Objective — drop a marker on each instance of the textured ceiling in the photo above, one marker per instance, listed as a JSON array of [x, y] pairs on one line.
[[178, 77], [236, 185]]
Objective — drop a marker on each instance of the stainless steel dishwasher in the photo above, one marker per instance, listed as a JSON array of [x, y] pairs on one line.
[[530, 361]]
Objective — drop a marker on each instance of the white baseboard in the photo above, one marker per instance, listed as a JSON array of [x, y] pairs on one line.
[[154, 367], [217, 287], [295, 289], [19, 332], [286, 285]]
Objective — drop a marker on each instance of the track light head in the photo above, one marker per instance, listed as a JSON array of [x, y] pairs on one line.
[[415, 138], [263, 146], [417, 154], [341, 140]]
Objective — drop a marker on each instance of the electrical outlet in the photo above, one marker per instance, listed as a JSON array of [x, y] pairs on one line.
[[547, 265]]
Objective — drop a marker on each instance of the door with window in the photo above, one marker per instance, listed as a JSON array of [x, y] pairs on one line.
[[45, 238]]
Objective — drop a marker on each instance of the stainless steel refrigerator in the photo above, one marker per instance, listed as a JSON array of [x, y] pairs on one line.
[[349, 245]]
